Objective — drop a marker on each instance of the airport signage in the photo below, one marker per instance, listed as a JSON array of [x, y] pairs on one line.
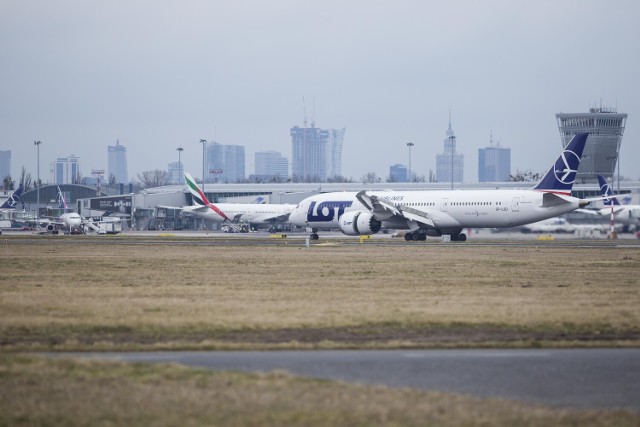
[[119, 204]]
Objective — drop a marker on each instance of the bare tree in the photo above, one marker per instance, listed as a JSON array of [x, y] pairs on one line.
[[525, 176], [369, 177], [7, 183], [25, 180], [154, 178], [339, 179]]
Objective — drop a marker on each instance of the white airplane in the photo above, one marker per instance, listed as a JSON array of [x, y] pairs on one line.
[[561, 225], [622, 214], [68, 222], [233, 213], [436, 213]]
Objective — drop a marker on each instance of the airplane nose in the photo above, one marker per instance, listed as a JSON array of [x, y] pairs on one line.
[[296, 217]]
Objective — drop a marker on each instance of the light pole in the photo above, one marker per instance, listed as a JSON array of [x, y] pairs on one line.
[[409, 144], [37, 144], [452, 138], [204, 143], [180, 150]]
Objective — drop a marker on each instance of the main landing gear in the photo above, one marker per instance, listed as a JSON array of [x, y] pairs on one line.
[[421, 235], [417, 235], [461, 237], [314, 234]]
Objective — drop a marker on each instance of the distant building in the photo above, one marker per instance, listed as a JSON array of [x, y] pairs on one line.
[[398, 173], [494, 163], [117, 163], [226, 163], [309, 154], [66, 170], [605, 127], [270, 166], [336, 138], [5, 164], [175, 171], [450, 158]]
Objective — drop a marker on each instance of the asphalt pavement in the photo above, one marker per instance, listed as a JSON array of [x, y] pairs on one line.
[[575, 378]]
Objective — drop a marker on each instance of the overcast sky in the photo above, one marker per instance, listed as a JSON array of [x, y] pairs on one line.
[[157, 74]]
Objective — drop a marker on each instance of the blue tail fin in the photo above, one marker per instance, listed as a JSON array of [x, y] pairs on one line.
[[62, 203], [605, 190], [12, 201], [562, 174]]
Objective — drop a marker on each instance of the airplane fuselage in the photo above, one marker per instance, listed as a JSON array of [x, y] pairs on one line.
[[258, 214], [448, 210], [624, 214]]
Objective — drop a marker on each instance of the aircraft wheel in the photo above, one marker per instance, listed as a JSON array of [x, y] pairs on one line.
[[408, 237], [313, 236], [462, 237], [422, 237]]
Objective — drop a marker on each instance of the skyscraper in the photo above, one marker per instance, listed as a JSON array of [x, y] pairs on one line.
[[5, 164], [226, 163], [398, 173], [66, 170], [117, 163], [309, 154], [494, 163], [605, 127], [174, 171], [450, 158], [271, 165], [336, 138]]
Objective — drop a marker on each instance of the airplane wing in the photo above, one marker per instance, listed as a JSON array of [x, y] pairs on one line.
[[270, 219], [388, 211], [50, 221], [588, 211]]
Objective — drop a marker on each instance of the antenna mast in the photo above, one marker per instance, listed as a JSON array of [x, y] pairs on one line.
[[304, 111]]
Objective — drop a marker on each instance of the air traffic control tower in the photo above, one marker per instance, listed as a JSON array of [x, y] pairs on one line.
[[605, 127]]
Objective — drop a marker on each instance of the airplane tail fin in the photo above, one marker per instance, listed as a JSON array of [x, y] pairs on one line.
[[13, 200], [198, 195], [560, 178], [606, 191], [62, 203]]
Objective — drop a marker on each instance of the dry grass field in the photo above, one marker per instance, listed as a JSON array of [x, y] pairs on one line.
[[122, 293], [79, 293]]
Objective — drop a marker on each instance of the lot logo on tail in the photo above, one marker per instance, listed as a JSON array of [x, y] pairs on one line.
[[566, 167], [562, 175], [62, 203], [606, 191], [13, 200]]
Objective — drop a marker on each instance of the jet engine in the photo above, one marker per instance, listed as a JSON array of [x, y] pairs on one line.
[[51, 227], [359, 222]]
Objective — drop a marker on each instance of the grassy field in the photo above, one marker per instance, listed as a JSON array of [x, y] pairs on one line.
[[49, 392], [79, 293], [70, 294]]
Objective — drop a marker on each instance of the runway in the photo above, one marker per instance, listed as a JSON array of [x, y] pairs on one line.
[[482, 238], [574, 378]]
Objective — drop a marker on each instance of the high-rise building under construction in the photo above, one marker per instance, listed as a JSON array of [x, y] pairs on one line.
[[605, 127], [309, 154]]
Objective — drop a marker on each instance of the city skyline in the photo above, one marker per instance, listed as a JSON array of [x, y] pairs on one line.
[[78, 78]]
